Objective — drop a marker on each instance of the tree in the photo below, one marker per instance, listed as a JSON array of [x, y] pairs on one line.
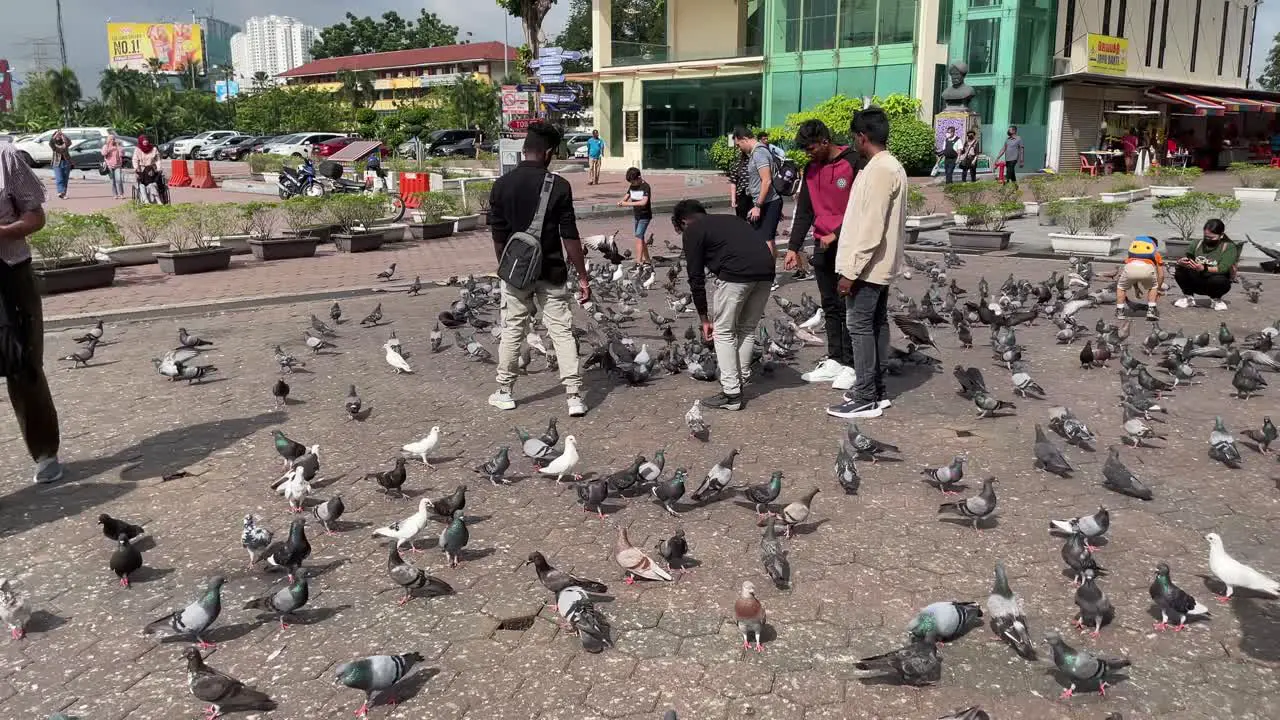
[[360, 36], [531, 14], [357, 87], [123, 88], [471, 102], [260, 81], [65, 88], [577, 35], [1269, 79]]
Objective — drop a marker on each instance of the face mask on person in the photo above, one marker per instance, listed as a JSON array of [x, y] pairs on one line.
[[1212, 240]]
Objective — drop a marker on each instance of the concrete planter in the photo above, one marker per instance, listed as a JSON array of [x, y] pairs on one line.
[[359, 241], [130, 255], [322, 233], [1124, 196], [392, 232], [1141, 193], [979, 239], [1169, 190], [1031, 207], [431, 231], [1175, 248], [71, 278], [190, 262], [1086, 245], [288, 248], [926, 222], [463, 223], [1256, 194], [239, 244]]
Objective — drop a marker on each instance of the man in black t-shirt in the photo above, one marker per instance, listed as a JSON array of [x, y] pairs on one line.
[[639, 198]]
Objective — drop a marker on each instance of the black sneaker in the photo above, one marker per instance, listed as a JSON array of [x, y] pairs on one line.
[[721, 401], [800, 275]]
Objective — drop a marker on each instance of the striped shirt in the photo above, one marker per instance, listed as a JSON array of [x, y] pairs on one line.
[[20, 193]]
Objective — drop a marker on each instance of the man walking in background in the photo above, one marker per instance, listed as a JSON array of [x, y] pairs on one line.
[[1014, 155], [21, 215], [595, 154], [872, 237], [60, 144], [766, 208]]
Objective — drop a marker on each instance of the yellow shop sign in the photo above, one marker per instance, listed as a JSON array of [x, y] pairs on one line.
[[1108, 55]]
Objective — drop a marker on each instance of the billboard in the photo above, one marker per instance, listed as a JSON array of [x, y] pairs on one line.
[[132, 45], [224, 90], [1108, 55]]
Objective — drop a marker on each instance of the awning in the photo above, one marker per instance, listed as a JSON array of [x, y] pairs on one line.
[[1255, 105], [1202, 104]]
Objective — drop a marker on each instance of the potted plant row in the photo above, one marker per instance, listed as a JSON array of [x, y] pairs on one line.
[[986, 209], [307, 218], [433, 209], [1098, 216], [67, 246], [298, 213], [1256, 182], [1124, 189], [1187, 215], [142, 234], [1171, 181], [476, 196], [191, 248], [920, 215], [357, 216]]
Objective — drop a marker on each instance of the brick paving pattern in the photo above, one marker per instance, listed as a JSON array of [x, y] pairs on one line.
[[862, 567]]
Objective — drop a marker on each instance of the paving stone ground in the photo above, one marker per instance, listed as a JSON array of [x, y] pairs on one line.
[[862, 567]]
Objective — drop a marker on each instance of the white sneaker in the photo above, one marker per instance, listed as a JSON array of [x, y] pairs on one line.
[[826, 371], [846, 379], [1219, 305], [48, 470], [502, 399], [884, 404], [1184, 302], [577, 408]]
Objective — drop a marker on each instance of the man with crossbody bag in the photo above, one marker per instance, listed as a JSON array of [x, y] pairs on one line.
[[535, 236]]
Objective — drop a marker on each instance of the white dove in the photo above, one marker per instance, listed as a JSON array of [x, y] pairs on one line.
[[535, 342], [1234, 573], [564, 464], [295, 489], [617, 273], [407, 529], [813, 321], [425, 446], [649, 281], [395, 360], [643, 357], [693, 418]]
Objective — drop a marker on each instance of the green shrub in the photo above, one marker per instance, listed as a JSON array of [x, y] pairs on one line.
[[1124, 183], [1075, 184], [1177, 176], [477, 196], [1071, 215], [351, 211], [265, 163], [220, 220], [258, 219], [1044, 188], [1188, 213], [301, 212], [142, 224], [190, 227], [911, 140], [436, 204], [1103, 216], [917, 203], [69, 238], [722, 154], [965, 194]]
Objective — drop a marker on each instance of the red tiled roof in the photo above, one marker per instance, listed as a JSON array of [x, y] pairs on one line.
[[403, 58]]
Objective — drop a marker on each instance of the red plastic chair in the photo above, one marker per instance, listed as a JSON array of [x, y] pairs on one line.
[[1088, 167]]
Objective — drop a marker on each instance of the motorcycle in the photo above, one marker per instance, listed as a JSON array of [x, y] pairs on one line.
[[293, 182], [306, 181]]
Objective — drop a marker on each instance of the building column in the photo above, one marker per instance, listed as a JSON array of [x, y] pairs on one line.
[[1053, 142]]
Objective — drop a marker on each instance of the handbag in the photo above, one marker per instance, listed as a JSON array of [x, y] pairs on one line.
[[521, 263], [103, 169]]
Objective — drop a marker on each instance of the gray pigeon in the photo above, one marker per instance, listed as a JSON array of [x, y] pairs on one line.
[[454, 537], [221, 691], [193, 619], [717, 479], [945, 620], [1117, 477], [1091, 526], [970, 713], [1095, 606], [946, 476], [286, 600], [847, 471], [412, 578], [774, 557], [1082, 667], [496, 467], [1048, 457], [375, 673], [1078, 557], [916, 664], [1066, 424], [866, 447], [1222, 446], [1008, 621], [329, 511], [575, 606], [976, 508]]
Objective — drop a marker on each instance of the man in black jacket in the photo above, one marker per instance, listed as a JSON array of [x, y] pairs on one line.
[[731, 249], [513, 203]]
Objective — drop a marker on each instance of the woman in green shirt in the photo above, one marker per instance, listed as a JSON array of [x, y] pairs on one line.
[[1208, 268]]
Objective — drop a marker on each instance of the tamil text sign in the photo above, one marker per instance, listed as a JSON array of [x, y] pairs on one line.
[[1108, 55], [175, 45]]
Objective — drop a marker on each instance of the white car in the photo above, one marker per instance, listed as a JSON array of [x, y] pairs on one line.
[[35, 149], [210, 150], [299, 144], [189, 147]]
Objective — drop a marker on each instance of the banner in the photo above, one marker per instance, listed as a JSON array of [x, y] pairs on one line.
[[133, 45], [1108, 55]]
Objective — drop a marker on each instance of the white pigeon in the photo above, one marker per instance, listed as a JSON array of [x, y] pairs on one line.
[[424, 447], [395, 360], [407, 529], [535, 342], [617, 273], [693, 418], [814, 321], [295, 489], [564, 464], [1234, 573], [650, 280], [643, 357]]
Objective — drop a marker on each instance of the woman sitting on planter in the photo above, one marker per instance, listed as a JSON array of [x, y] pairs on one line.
[[1142, 274], [1208, 268]]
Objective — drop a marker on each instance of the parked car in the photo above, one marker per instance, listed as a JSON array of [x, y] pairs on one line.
[[166, 148], [437, 138], [300, 144], [576, 140], [210, 151], [581, 152], [236, 148], [35, 149], [189, 147], [465, 147], [87, 154]]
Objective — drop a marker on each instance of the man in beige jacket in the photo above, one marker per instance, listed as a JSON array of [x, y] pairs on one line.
[[869, 253]]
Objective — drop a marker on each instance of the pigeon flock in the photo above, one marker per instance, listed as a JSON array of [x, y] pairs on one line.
[[780, 508]]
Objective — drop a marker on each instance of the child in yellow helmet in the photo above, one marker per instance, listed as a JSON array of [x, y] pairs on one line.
[[1141, 275]]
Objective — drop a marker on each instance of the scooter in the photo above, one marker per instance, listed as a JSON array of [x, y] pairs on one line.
[[302, 181]]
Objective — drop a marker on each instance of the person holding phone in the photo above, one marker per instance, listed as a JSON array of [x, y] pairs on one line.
[[1208, 268]]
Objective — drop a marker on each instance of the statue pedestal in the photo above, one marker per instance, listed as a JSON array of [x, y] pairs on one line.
[[962, 120]]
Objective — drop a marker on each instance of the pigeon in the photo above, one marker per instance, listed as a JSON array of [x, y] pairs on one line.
[[415, 287], [14, 610], [1066, 424], [374, 673], [946, 620], [557, 580], [796, 513], [291, 553], [329, 511], [670, 491], [295, 489], [1090, 526], [1173, 600], [411, 578], [698, 427], [454, 538], [194, 619], [1095, 606], [285, 601], [1081, 666], [774, 557], [496, 467], [1234, 573], [1263, 437], [437, 339], [404, 531], [335, 313], [534, 447], [974, 712], [674, 549], [352, 403], [1247, 381], [651, 470], [392, 479], [373, 318], [1136, 430], [191, 341], [946, 477], [316, 344], [915, 330], [749, 614], [865, 446], [255, 539], [93, 336], [1008, 620], [280, 391], [593, 494], [1086, 355], [396, 360], [286, 361], [846, 470], [1078, 557], [1025, 386], [717, 479], [1222, 447], [563, 465], [221, 691], [917, 664], [113, 528], [388, 273], [635, 563], [552, 434], [978, 507], [81, 357], [125, 561], [988, 405], [325, 331], [1048, 457], [1225, 337], [1117, 477], [424, 447], [575, 606]]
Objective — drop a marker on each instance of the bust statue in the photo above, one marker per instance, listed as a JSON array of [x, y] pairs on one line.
[[958, 95]]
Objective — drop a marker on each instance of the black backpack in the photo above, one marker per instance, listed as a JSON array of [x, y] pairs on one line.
[[786, 175], [521, 263]]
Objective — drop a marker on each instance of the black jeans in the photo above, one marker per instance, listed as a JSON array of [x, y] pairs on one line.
[[867, 315], [29, 392], [949, 167], [744, 206], [1011, 172], [1201, 282], [839, 342], [970, 172]]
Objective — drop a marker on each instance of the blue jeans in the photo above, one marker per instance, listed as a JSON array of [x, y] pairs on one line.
[[61, 173], [867, 316], [117, 181], [642, 226]]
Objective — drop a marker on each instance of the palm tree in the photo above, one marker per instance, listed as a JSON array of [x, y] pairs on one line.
[[154, 66], [531, 14], [357, 87], [260, 80], [65, 88], [118, 88]]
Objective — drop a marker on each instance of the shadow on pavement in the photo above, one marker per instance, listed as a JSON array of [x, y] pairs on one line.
[[1259, 627]]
